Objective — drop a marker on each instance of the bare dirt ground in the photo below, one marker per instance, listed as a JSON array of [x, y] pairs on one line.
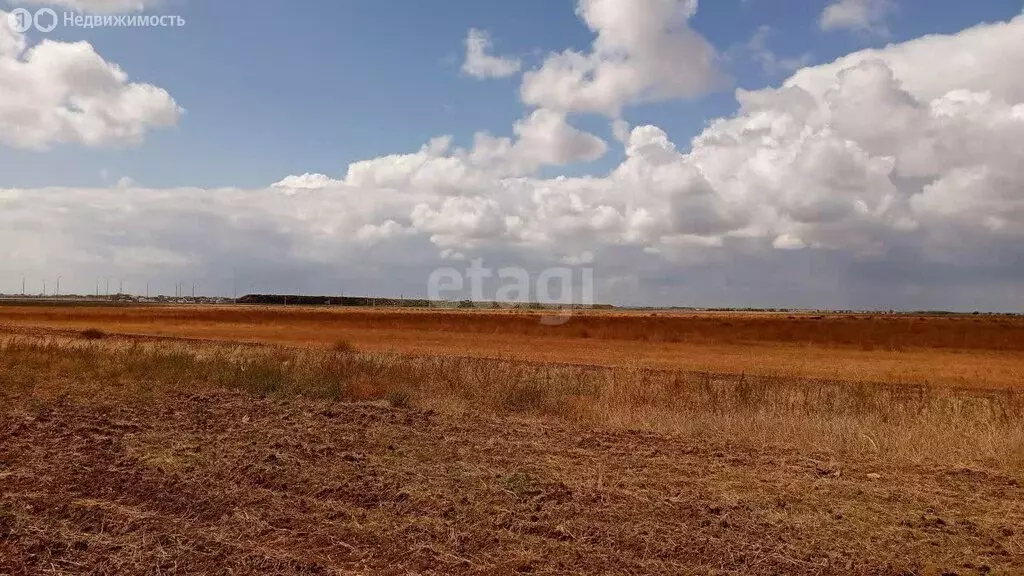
[[222, 482]]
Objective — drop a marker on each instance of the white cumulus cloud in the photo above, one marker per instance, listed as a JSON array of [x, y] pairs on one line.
[[479, 63], [645, 50], [544, 138], [857, 15], [61, 92]]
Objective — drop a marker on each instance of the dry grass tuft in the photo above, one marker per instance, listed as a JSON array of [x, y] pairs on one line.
[[343, 346], [399, 398]]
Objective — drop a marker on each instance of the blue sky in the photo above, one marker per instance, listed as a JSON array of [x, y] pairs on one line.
[[273, 88], [871, 160]]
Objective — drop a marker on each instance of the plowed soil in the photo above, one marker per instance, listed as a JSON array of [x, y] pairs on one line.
[[224, 483]]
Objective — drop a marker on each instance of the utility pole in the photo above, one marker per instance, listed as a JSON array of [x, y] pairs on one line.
[[58, 287], [106, 291], [44, 287], [147, 289], [22, 284]]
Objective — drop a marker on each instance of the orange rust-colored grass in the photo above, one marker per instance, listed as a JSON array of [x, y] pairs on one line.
[[956, 350], [865, 331]]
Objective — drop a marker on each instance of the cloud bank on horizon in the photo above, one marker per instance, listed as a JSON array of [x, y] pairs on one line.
[[897, 172]]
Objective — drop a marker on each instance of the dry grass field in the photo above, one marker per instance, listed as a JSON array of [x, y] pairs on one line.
[[958, 351], [257, 440]]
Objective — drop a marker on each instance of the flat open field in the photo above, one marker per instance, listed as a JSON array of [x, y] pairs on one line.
[[144, 440], [955, 350], [222, 484]]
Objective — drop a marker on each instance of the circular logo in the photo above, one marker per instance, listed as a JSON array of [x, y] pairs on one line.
[[46, 20], [20, 20]]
